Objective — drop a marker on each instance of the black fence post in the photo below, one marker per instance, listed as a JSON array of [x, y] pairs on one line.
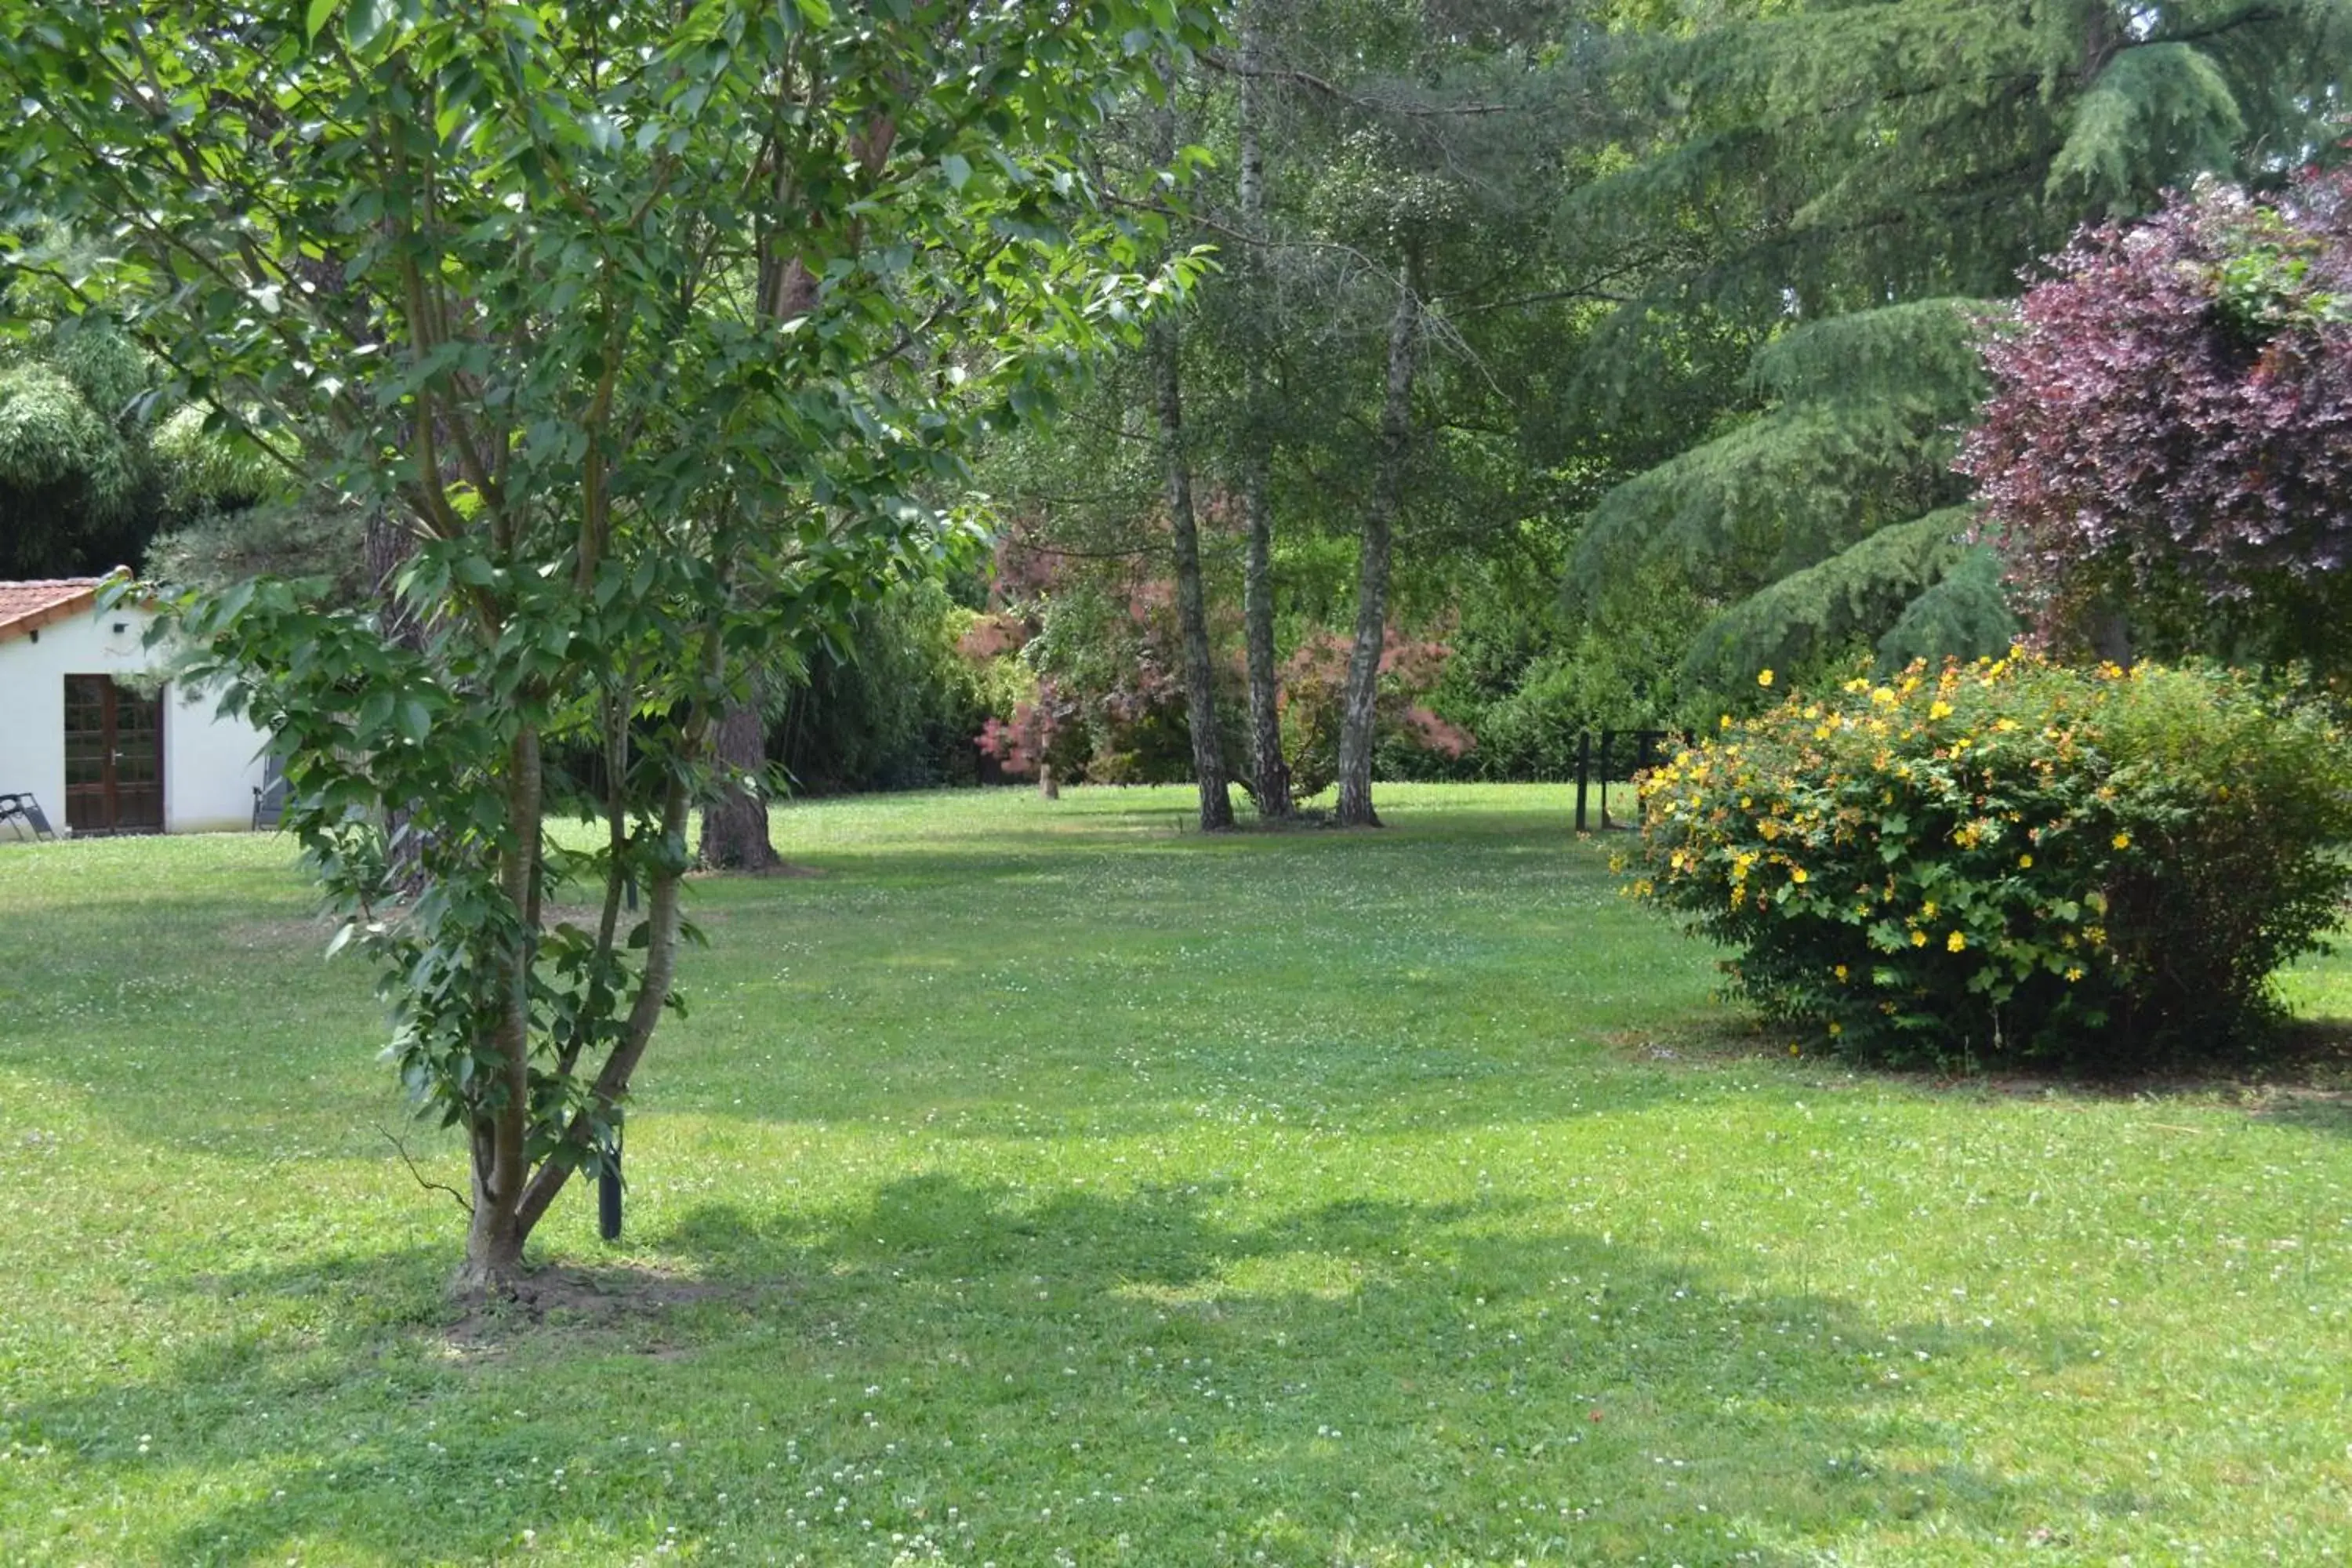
[[608, 1191], [1608, 744], [1583, 773]]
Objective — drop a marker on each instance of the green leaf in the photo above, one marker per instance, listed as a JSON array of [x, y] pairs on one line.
[[957, 170], [373, 711], [315, 17], [365, 20]]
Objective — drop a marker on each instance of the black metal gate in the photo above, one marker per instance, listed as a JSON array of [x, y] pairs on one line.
[[1647, 749]]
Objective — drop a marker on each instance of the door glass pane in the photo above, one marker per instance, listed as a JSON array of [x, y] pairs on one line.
[[86, 749], [137, 733]]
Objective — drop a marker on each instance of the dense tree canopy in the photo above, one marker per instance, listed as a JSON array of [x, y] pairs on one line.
[[1697, 295]]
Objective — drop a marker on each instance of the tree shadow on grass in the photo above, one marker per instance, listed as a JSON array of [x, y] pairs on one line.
[[2314, 1111], [1358, 1380], [1374, 1380]]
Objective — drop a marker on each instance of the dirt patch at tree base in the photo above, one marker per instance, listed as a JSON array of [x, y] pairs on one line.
[[617, 1297]]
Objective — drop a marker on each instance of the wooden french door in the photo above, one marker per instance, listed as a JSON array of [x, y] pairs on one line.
[[114, 757]]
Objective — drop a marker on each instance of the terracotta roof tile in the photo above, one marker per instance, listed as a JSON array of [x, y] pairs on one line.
[[29, 606]]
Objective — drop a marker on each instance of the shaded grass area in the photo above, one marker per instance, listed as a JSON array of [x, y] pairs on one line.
[[1038, 1183]]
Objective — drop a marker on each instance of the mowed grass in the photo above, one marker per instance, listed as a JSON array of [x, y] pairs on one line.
[[1040, 1185]]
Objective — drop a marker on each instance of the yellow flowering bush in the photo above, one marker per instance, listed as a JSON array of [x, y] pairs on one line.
[[2011, 860]]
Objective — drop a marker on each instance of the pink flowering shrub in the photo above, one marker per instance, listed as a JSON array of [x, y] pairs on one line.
[[1314, 691], [1101, 654]]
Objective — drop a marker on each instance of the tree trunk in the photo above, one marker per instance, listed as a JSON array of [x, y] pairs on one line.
[[1046, 788], [493, 1266], [735, 823], [1191, 608], [1360, 709], [499, 1138], [386, 546], [1269, 772], [610, 1089]]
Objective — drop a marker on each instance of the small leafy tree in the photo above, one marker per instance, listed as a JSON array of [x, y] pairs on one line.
[[2170, 433], [654, 323]]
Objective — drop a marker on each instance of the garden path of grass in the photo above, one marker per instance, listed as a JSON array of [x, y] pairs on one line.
[[1038, 1185]]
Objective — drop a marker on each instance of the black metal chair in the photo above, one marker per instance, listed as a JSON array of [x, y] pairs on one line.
[[269, 796], [20, 811]]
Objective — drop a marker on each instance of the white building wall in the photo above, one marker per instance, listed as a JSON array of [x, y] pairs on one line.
[[211, 764]]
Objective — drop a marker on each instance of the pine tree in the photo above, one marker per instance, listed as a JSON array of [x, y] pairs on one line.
[[1831, 185]]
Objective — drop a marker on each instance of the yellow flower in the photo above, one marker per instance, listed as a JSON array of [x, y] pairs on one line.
[[1724, 723], [1837, 1028], [2025, 862], [1939, 709], [1797, 874], [1839, 972], [1928, 910], [2074, 974], [1918, 937], [2123, 841], [1763, 677], [1956, 942]]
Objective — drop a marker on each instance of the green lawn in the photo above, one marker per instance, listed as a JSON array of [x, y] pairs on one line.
[[1040, 1185]]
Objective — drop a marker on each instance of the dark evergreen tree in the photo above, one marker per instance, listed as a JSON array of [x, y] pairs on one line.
[[1830, 183]]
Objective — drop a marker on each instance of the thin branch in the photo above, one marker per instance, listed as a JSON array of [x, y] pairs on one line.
[[1217, 60], [421, 1179]]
